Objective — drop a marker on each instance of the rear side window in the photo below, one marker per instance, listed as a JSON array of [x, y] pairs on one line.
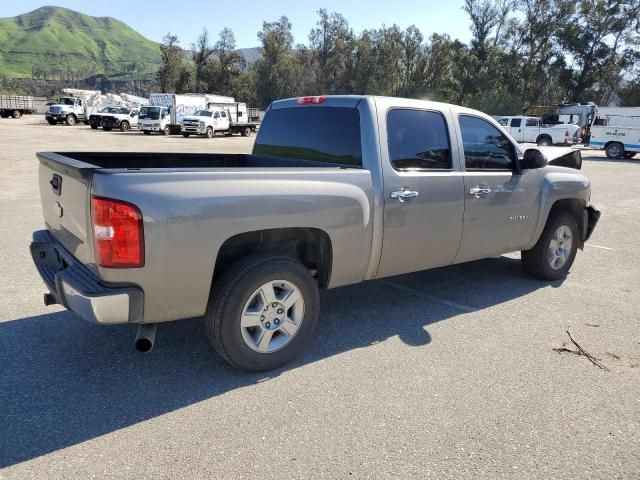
[[322, 134], [532, 122], [418, 139]]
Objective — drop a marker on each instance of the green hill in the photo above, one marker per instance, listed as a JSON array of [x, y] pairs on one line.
[[57, 43]]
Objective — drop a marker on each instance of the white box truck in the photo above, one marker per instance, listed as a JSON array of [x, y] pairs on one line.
[[616, 130], [179, 106]]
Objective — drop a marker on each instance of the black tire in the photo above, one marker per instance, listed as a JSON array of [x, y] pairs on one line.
[[166, 131], [146, 132], [210, 133], [94, 127], [185, 135], [246, 132], [70, 120], [615, 150], [107, 129], [536, 261], [16, 114], [234, 289], [629, 155], [51, 122], [544, 141], [125, 126]]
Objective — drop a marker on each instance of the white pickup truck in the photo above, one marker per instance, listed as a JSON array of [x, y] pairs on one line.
[[530, 130], [228, 119]]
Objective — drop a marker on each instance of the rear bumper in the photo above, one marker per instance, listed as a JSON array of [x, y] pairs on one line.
[[591, 215], [73, 286]]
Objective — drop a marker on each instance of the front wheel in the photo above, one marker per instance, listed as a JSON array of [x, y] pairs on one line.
[[166, 131], [210, 132], [614, 151], [94, 126], [106, 129], [544, 141], [70, 120], [146, 132], [554, 253], [51, 121], [16, 114], [124, 126], [185, 135], [262, 312]]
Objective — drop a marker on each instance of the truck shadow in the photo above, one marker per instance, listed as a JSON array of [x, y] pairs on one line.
[[65, 381]]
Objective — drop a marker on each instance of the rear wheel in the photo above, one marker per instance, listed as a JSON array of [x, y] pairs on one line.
[[544, 141], [16, 114], [210, 132], [124, 126], [554, 253], [70, 120], [166, 131], [246, 132], [615, 150], [262, 312], [94, 127]]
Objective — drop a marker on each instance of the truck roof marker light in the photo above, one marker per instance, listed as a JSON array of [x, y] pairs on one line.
[[311, 100]]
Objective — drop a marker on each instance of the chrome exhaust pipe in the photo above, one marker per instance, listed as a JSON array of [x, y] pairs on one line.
[[146, 337]]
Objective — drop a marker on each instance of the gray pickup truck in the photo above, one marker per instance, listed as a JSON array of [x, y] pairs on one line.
[[338, 190]]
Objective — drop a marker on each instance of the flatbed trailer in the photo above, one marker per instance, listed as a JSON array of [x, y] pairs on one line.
[[17, 105]]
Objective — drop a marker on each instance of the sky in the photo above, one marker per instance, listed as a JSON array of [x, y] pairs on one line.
[[186, 18]]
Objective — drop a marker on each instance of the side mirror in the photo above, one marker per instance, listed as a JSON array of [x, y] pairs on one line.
[[533, 158]]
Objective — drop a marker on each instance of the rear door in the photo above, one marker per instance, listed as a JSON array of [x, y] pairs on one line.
[[516, 129], [423, 189], [531, 130], [501, 204]]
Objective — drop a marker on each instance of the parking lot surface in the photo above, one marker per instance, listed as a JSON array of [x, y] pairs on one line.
[[449, 373]]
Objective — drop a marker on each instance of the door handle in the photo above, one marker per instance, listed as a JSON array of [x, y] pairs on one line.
[[479, 191], [404, 194]]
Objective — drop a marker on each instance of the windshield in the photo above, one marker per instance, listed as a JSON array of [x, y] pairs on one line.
[[152, 113], [66, 101], [202, 113], [109, 110]]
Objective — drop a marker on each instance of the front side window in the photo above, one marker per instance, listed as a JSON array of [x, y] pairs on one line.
[[418, 139], [504, 122], [216, 115], [516, 122], [485, 147]]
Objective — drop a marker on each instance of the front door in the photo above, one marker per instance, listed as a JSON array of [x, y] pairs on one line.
[[501, 204], [516, 129], [423, 192]]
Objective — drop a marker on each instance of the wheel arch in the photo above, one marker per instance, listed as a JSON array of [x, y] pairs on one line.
[[574, 206], [310, 246], [544, 135]]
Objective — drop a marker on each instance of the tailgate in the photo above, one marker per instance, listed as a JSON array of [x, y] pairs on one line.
[[64, 194]]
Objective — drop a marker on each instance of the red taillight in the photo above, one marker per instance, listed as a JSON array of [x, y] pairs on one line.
[[306, 100], [566, 133], [118, 233]]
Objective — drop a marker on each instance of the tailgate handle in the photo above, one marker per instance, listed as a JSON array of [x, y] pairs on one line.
[[56, 184]]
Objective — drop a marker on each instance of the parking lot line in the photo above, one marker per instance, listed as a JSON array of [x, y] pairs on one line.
[[598, 246]]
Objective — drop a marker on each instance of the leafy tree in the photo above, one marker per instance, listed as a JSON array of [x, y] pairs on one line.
[[172, 65]]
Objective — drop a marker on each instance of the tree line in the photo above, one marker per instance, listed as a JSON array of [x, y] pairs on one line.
[[522, 53]]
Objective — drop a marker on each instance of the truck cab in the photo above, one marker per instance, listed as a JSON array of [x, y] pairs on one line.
[[206, 122], [154, 119], [69, 110]]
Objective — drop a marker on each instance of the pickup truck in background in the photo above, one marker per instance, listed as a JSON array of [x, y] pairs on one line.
[[530, 130], [338, 190], [217, 120], [122, 118], [95, 119]]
